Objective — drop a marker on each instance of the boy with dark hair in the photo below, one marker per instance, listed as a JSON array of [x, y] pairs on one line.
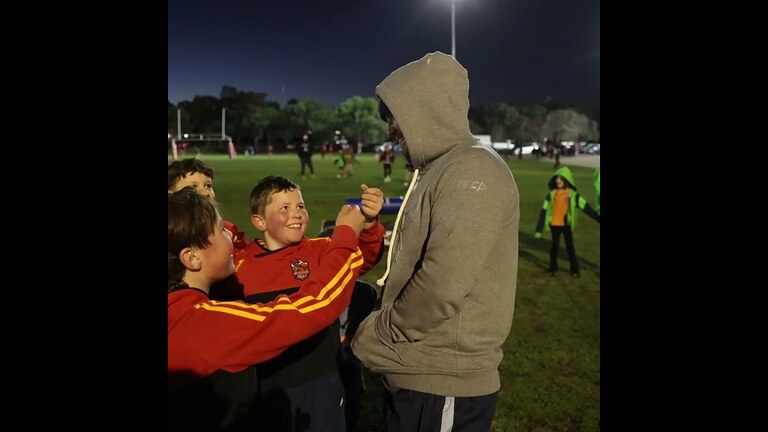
[[193, 172], [211, 344], [304, 381]]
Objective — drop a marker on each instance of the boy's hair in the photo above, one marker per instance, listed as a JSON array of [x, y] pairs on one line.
[[261, 195], [182, 168], [191, 220]]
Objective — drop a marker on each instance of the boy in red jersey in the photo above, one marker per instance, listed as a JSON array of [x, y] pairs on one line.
[[303, 384], [210, 342], [193, 172]]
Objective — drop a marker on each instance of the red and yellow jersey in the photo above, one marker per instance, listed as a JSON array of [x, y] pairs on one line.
[[206, 335], [265, 274], [261, 271], [238, 237]]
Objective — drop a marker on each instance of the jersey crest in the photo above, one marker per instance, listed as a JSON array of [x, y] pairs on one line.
[[300, 269]]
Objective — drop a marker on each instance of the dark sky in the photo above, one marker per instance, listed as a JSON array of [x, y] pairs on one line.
[[516, 51]]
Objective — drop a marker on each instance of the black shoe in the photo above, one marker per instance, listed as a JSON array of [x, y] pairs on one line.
[[553, 273]]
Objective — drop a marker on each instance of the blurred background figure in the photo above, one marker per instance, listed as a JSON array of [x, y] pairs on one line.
[[349, 154], [305, 156], [386, 158]]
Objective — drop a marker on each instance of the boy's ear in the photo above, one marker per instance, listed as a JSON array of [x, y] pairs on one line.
[[190, 259], [258, 222]]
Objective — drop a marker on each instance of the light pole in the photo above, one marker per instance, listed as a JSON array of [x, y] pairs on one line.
[[223, 121], [178, 122], [453, 28]]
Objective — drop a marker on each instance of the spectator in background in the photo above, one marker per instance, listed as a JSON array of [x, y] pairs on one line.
[[386, 158], [349, 154], [558, 214], [305, 156], [596, 182]]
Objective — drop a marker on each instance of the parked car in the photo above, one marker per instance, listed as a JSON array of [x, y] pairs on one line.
[[508, 147], [528, 148], [591, 148]]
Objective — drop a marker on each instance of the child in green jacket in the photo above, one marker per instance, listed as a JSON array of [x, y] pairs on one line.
[[559, 216]]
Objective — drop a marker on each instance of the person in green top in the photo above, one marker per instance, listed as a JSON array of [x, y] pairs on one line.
[[559, 216], [597, 188]]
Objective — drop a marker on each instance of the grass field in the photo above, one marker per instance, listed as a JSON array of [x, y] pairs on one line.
[[550, 373]]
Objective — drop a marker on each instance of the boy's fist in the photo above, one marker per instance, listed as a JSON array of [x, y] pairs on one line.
[[351, 216]]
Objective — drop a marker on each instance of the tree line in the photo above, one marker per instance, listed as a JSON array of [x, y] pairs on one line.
[[252, 120]]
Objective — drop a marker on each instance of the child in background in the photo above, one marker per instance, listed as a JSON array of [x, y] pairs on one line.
[[597, 188], [349, 154], [340, 164], [386, 158], [558, 214], [194, 173]]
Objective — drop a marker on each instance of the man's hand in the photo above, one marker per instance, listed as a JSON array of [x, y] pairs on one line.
[[372, 201]]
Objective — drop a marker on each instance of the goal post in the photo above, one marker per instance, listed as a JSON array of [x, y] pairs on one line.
[[208, 141]]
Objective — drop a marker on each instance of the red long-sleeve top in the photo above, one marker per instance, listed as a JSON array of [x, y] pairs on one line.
[[266, 274], [238, 237], [206, 335]]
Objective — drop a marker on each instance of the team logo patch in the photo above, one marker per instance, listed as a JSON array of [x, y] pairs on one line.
[[300, 269]]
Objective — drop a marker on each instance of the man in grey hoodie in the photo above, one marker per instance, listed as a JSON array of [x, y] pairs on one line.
[[449, 289]]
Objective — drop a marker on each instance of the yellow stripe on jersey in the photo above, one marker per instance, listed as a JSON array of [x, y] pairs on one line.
[[250, 311], [330, 298], [240, 313], [356, 256]]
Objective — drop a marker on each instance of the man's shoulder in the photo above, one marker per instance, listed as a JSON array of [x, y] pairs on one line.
[[475, 161]]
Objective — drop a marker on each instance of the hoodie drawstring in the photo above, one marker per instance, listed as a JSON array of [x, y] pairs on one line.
[[380, 282]]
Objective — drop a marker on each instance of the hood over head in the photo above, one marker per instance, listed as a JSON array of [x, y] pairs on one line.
[[429, 98], [565, 173]]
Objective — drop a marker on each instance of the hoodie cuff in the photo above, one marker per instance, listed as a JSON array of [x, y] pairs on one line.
[[345, 235], [371, 233]]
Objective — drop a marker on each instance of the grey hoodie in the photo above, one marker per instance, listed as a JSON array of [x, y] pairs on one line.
[[447, 305]]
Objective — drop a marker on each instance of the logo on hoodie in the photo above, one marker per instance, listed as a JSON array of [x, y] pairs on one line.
[[300, 269]]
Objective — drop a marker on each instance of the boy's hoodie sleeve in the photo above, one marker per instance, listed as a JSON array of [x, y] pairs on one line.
[[372, 245], [587, 209], [542, 215], [234, 335], [238, 237]]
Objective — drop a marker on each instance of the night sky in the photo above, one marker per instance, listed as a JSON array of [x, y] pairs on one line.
[[516, 51]]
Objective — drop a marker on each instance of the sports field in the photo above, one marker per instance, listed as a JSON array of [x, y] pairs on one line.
[[550, 373]]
